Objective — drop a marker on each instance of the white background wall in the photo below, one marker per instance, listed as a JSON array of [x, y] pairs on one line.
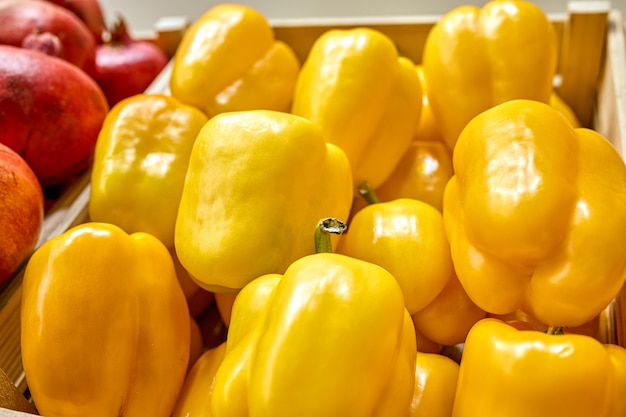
[[142, 14]]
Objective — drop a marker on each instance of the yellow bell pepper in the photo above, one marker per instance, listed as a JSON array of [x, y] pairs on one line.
[[557, 102], [427, 128], [330, 337], [475, 58], [224, 375], [449, 317], [257, 184], [526, 373], [140, 163], [194, 399], [436, 377], [229, 60], [536, 214], [407, 238], [104, 325], [366, 99], [422, 174], [520, 319]]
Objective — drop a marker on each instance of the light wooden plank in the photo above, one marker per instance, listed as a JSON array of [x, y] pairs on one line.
[[610, 121], [582, 49], [4, 412], [610, 109], [169, 32]]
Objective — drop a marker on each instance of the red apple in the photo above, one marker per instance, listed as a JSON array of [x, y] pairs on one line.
[[21, 211]]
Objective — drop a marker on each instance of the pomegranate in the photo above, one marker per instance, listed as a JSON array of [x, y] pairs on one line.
[[20, 18], [46, 42], [89, 11], [21, 212], [51, 113], [126, 66]]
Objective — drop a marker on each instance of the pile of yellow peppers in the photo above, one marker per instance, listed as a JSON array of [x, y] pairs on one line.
[[380, 238]]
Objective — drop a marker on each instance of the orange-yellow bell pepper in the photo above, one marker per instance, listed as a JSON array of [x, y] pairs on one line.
[[527, 373], [246, 170], [365, 97], [229, 60], [422, 174], [521, 319], [194, 399], [104, 325], [436, 377], [449, 317], [536, 214], [475, 58], [427, 128], [557, 102], [140, 163], [407, 238]]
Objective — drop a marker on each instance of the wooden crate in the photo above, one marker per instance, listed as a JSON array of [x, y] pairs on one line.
[[591, 79]]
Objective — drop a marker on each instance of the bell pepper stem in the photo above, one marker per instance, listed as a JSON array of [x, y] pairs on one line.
[[366, 191], [325, 227], [554, 330]]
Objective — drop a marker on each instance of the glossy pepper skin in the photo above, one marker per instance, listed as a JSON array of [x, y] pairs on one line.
[[194, 399], [436, 378], [528, 373], [535, 215], [407, 238], [427, 128], [371, 115], [229, 60], [330, 337], [105, 325], [448, 318], [422, 174], [246, 170], [557, 102], [475, 58], [140, 163], [433, 396]]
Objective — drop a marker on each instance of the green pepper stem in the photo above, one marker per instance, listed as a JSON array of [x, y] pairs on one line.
[[554, 330], [325, 227], [368, 193]]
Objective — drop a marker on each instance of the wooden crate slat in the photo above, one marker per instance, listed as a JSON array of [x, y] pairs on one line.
[[582, 49]]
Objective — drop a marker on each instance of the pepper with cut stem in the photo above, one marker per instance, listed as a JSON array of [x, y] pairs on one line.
[[338, 320], [323, 231]]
